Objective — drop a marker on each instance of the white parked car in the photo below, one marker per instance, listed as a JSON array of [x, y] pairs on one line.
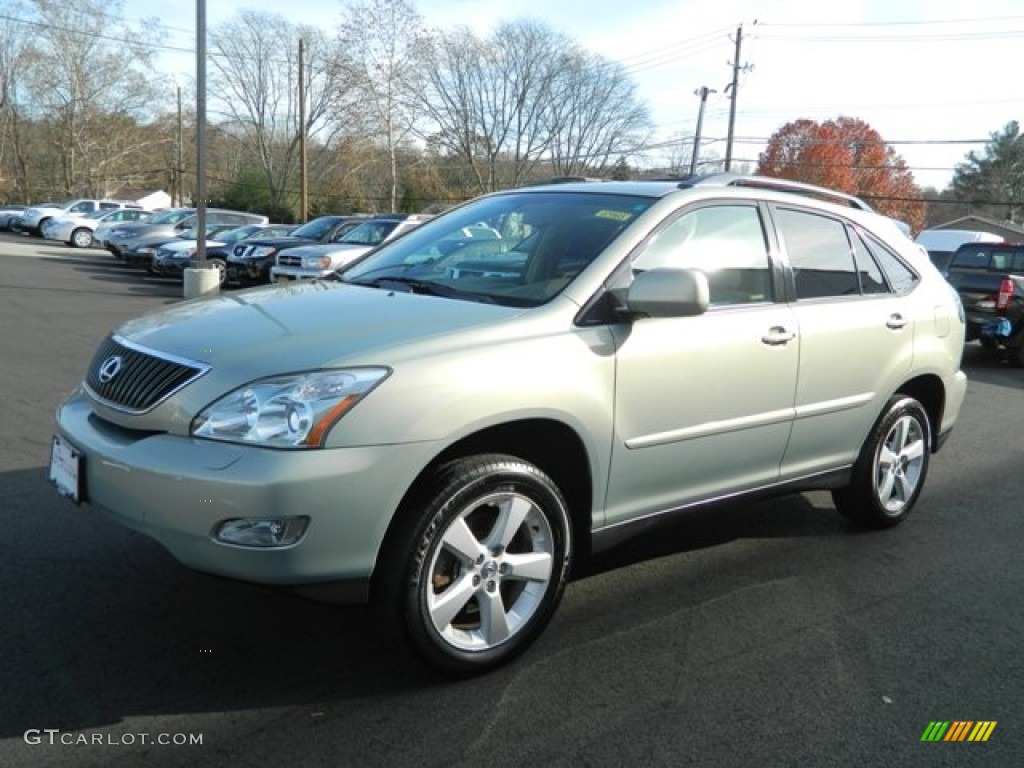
[[9, 212], [78, 230], [34, 218]]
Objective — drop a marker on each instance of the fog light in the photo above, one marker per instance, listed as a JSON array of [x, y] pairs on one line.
[[261, 531]]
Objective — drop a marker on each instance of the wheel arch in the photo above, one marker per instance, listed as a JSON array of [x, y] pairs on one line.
[[930, 392], [550, 445]]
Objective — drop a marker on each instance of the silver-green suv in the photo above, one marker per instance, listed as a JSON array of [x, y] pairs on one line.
[[448, 426]]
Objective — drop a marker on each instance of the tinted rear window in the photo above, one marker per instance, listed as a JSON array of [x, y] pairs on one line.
[[982, 256]]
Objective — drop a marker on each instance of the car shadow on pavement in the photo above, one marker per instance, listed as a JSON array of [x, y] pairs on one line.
[[138, 281], [102, 625], [705, 527], [109, 626], [105, 631]]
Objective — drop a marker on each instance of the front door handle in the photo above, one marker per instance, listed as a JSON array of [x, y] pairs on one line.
[[896, 321], [777, 335]]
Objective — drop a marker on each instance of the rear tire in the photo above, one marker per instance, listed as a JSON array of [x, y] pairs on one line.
[[475, 565], [890, 471]]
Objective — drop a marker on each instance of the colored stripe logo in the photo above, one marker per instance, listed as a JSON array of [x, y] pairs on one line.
[[958, 730]]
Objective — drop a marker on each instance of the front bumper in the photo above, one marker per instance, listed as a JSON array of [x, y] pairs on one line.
[[138, 259], [285, 274], [170, 267], [178, 489], [246, 273]]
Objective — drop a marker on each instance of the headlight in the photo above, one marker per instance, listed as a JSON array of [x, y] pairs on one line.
[[294, 411], [261, 251], [316, 262]]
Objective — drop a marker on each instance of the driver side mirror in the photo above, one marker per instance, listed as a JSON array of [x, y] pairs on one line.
[[666, 292]]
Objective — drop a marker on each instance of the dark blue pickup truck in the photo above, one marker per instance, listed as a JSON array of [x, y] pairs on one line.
[[989, 277]]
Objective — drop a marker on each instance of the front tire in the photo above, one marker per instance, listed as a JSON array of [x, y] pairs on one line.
[[891, 469], [222, 270], [81, 238], [476, 565]]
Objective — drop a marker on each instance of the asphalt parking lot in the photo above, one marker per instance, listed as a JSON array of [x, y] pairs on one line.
[[763, 634]]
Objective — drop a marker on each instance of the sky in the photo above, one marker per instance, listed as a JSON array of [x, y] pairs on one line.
[[936, 78]]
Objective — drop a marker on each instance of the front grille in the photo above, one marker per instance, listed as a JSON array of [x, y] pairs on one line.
[[134, 379], [289, 261]]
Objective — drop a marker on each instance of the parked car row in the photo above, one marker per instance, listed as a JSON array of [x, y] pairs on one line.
[[247, 249], [171, 258]]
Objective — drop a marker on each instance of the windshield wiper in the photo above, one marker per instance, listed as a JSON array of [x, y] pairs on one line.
[[412, 285]]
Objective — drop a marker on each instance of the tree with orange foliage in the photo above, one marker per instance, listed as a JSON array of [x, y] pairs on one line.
[[847, 155]]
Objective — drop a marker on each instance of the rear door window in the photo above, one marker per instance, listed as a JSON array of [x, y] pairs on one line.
[[820, 254]]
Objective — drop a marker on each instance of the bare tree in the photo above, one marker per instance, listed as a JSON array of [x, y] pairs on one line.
[[487, 101], [254, 80], [523, 99], [15, 57], [380, 39], [82, 80], [596, 116]]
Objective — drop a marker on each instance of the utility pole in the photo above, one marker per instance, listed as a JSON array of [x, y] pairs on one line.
[[703, 92], [200, 202], [303, 165], [201, 281], [178, 193], [732, 90]]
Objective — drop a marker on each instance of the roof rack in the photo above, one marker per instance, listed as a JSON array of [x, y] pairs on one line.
[[570, 179], [781, 185]]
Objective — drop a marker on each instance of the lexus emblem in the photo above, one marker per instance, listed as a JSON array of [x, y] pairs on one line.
[[109, 368]]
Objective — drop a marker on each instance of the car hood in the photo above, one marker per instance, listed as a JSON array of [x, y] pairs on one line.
[[276, 241], [158, 240], [301, 326], [134, 231], [184, 246], [326, 249]]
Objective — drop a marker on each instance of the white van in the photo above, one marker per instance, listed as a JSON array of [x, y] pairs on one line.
[[941, 244]]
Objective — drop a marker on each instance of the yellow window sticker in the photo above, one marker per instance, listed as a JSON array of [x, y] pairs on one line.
[[614, 215]]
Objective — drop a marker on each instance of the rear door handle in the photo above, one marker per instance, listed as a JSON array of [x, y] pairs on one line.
[[896, 321], [777, 335]]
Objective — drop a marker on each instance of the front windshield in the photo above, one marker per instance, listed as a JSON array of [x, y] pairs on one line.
[[518, 248], [238, 233], [316, 228], [368, 233], [170, 217]]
